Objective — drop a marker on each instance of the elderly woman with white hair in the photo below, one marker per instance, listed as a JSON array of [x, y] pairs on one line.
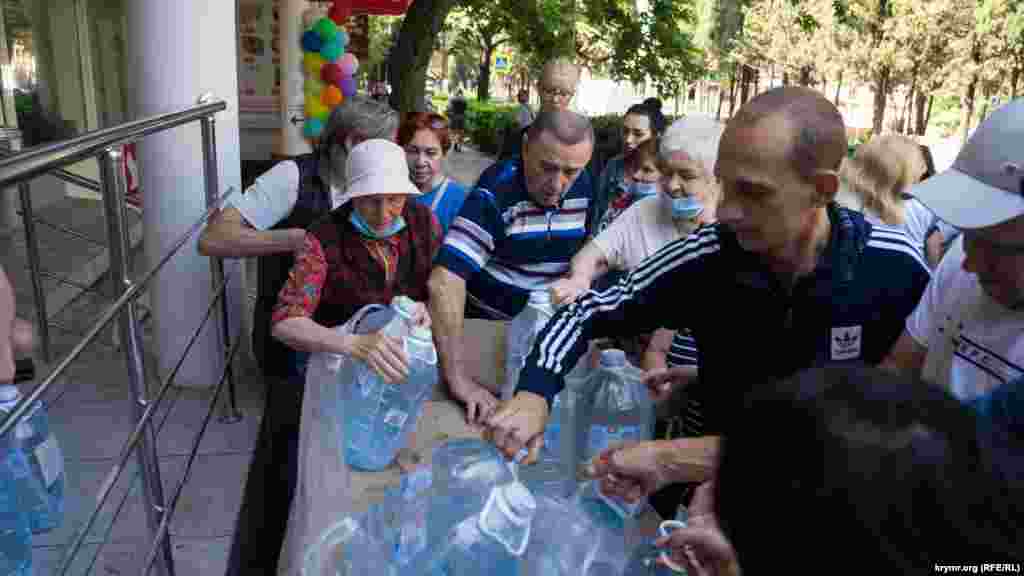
[[681, 167]]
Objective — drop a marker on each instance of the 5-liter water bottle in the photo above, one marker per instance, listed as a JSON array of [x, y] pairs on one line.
[[492, 541], [15, 537], [349, 548], [615, 409], [520, 336], [463, 472], [40, 481], [401, 324], [380, 414], [554, 472]]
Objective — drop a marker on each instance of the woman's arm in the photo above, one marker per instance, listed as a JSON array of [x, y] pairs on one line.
[[587, 265]]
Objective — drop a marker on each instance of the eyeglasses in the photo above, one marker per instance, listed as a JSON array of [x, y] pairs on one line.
[[556, 92]]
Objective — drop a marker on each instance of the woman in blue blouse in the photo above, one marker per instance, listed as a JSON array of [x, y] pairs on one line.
[[426, 140]]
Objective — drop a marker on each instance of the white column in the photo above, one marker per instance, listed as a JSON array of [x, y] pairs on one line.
[[296, 17], [177, 51]]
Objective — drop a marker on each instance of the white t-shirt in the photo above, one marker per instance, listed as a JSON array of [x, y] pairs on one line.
[[272, 197], [974, 343], [640, 231]]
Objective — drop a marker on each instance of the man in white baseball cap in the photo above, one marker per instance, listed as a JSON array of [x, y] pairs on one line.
[[967, 333]]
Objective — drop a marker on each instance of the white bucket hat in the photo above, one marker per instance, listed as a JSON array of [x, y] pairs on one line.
[[377, 167], [985, 186]]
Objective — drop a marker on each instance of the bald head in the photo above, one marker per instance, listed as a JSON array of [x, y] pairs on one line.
[[567, 127], [560, 73], [816, 132]]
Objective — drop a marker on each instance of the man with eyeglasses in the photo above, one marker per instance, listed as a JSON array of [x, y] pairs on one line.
[[558, 82], [967, 334]]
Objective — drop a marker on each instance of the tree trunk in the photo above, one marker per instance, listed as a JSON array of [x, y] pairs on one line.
[[906, 111], [721, 96], [785, 78], [824, 84], [920, 123], [881, 98], [745, 79], [967, 108], [839, 86], [732, 90], [805, 76], [1014, 79], [483, 84], [928, 115], [410, 57]]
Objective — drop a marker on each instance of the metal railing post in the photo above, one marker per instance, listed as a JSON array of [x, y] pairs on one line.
[[28, 221], [112, 178], [229, 412]]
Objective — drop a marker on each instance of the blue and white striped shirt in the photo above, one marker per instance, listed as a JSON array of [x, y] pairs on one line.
[[504, 245]]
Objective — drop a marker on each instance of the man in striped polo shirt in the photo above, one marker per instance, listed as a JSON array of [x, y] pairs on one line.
[[786, 280], [517, 232]]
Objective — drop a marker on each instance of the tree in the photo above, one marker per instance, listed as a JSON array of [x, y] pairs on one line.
[[479, 28], [411, 55]]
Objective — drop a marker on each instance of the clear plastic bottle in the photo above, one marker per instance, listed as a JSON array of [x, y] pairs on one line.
[[520, 336], [40, 483], [401, 325], [381, 414], [15, 537], [492, 541], [615, 408]]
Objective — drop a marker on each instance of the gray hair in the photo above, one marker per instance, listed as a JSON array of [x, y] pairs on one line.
[[567, 127], [357, 116], [697, 136]]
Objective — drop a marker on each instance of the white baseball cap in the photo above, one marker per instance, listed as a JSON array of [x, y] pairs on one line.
[[985, 185], [377, 167]]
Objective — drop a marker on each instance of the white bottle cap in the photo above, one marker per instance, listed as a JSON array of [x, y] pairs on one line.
[[404, 305], [9, 393], [613, 358], [421, 333]]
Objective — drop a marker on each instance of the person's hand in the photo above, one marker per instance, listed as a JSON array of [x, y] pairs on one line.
[[382, 353], [479, 401], [660, 383], [567, 290], [702, 549], [703, 502], [421, 315], [519, 423], [631, 471]]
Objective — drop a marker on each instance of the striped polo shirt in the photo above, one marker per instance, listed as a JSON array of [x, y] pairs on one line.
[[504, 245], [752, 329]]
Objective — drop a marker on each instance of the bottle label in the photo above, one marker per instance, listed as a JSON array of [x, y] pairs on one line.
[[394, 419], [50, 459], [602, 437]]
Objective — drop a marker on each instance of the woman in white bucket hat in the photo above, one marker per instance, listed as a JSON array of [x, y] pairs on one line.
[[376, 245]]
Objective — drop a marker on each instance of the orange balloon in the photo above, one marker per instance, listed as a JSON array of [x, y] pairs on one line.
[[331, 96]]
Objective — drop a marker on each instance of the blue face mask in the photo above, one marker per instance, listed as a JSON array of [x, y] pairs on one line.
[[397, 226], [686, 208], [643, 189]]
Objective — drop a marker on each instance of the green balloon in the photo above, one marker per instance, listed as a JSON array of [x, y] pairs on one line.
[[330, 51], [326, 28]]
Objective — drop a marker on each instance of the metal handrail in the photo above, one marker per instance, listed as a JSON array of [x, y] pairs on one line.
[[41, 159], [65, 175], [136, 436], [9, 419]]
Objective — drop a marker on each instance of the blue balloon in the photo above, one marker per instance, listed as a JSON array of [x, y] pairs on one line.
[[331, 51], [313, 127], [342, 39], [311, 41]]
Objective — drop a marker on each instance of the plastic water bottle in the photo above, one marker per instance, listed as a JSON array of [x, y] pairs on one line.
[[15, 537], [492, 541], [615, 408], [401, 324], [380, 414], [463, 472], [39, 482], [520, 336], [349, 548]]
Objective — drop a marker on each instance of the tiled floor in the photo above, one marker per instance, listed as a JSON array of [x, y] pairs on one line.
[[91, 414]]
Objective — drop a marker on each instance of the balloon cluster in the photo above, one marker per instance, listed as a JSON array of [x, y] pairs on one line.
[[330, 71]]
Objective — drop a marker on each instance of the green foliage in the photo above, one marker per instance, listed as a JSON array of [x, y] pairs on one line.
[[658, 45], [486, 123]]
